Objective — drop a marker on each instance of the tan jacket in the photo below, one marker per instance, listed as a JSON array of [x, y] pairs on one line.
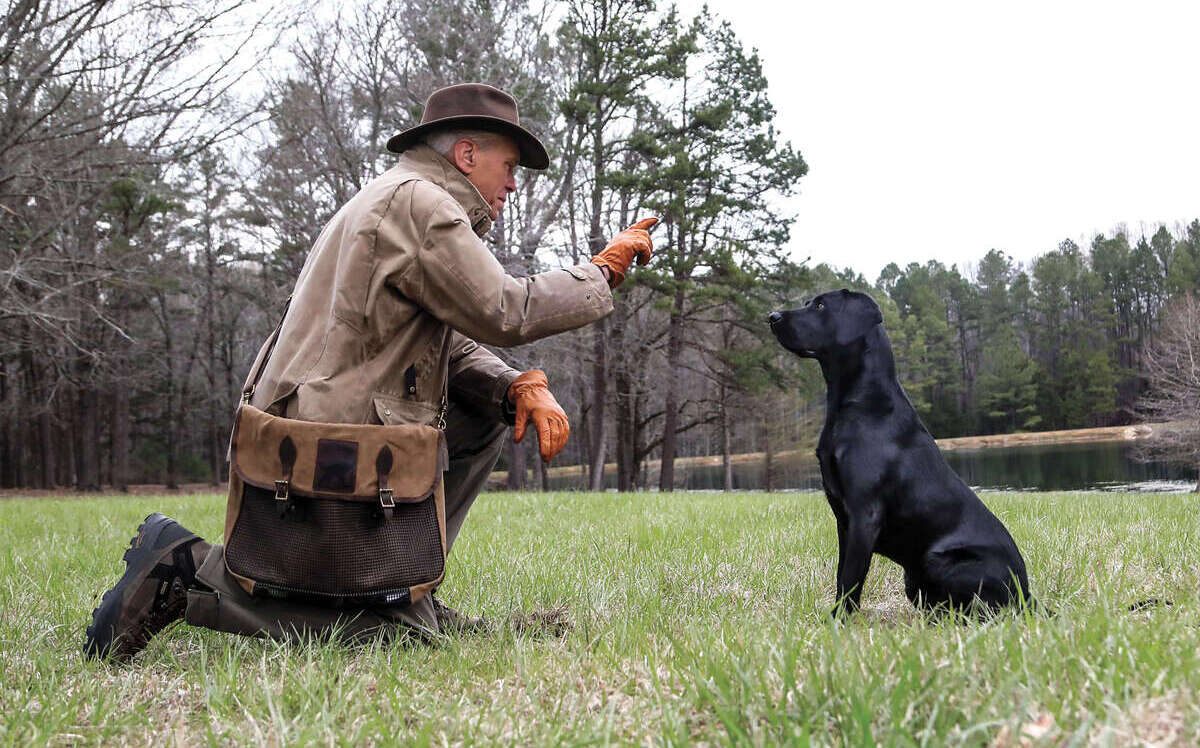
[[400, 278]]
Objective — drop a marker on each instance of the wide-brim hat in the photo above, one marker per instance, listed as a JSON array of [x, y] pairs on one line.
[[474, 106]]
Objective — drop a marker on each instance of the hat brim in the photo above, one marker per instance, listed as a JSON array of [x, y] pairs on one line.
[[533, 153]]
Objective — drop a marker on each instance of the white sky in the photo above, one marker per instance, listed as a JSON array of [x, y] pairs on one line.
[[944, 129]]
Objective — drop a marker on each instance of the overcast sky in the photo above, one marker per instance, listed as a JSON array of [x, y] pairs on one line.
[[943, 129]]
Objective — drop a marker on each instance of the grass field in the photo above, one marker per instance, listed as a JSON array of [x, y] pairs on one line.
[[696, 618]]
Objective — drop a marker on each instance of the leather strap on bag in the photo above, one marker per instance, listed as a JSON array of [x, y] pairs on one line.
[[255, 375], [287, 460], [383, 466]]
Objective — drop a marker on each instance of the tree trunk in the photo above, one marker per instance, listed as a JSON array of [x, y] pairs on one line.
[[212, 428], [172, 477], [726, 461], [120, 438], [768, 458], [543, 473], [625, 436], [16, 451], [104, 427], [214, 443], [666, 476], [170, 426], [87, 458], [7, 460], [7, 479], [229, 398], [624, 407], [517, 464], [599, 329], [66, 440], [596, 413], [585, 432], [46, 446]]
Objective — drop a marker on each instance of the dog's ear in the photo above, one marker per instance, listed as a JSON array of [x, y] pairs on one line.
[[858, 317]]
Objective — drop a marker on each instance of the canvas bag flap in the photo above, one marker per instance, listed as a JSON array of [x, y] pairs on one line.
[[337, 460]]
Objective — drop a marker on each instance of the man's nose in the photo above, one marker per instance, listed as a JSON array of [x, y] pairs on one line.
[[773, 318]]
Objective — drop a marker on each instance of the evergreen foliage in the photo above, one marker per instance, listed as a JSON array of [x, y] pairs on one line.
[[153, 222]]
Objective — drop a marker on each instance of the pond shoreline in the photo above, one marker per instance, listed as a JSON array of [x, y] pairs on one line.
[[1101, 434]]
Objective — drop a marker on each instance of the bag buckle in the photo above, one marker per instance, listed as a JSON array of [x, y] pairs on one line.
[[441, 415], [281, 490], [386, 498]]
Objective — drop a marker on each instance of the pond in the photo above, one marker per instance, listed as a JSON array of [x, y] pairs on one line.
[[1065, 467]]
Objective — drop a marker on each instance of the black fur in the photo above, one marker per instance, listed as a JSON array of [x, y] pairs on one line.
[[891, 491]]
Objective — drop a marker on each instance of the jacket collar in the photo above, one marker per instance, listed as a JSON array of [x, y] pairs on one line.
[[432, 166]]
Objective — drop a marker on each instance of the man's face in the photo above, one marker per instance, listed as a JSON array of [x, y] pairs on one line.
[[490, 168]]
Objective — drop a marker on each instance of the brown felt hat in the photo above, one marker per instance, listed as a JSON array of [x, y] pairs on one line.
[[474, 106]]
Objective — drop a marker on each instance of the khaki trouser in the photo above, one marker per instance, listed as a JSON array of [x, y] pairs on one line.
[[474, 443]]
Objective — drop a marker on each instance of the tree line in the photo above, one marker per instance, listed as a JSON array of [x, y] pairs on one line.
[[165, 168]]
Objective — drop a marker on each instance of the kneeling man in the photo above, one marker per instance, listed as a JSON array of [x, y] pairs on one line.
[[384, 327]]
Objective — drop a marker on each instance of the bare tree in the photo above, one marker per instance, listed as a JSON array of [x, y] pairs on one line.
[[96, 93], [1171, 364]]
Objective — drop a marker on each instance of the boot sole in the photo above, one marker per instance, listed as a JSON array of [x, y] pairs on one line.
[[140, 559]]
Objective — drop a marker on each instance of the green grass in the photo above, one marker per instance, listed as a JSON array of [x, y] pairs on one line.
[[697, 618]]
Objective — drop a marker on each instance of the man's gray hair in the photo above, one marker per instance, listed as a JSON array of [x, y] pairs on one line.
[[443, 141]]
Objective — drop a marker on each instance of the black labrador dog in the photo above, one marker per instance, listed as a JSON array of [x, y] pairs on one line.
[[891, 491]]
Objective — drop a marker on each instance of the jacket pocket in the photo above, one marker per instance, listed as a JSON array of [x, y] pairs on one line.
[[395, 411]]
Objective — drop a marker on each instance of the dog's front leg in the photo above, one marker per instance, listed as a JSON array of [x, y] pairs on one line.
[[860, 536], [839, 517]]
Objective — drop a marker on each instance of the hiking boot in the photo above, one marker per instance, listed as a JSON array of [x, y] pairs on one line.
[[450, 621], [160, 566]]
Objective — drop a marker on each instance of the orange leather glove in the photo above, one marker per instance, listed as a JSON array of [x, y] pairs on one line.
[[619, 254], [530, 393]]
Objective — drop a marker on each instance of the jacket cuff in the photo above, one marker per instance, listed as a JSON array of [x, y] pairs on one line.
[[508, 411]]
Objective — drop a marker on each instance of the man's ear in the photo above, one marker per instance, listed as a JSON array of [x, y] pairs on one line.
[[464, 155]]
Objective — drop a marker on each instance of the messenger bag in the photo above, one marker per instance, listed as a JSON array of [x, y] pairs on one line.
[[334, 514]]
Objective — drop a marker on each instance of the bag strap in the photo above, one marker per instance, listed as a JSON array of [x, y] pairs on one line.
[[256, 373], [287, 460], [383, 468]]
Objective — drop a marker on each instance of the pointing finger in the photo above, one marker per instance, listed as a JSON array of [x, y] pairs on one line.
[[645, 224]]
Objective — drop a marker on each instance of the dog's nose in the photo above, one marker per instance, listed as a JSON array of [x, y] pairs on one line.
[[773, 317]]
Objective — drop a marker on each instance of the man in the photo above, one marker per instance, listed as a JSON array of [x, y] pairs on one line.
[[383, 327]]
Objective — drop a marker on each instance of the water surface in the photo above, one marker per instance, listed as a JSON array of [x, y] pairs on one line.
[[1064, 467]]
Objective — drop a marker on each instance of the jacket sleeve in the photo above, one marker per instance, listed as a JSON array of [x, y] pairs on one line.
[[479, 379], [455, 278]]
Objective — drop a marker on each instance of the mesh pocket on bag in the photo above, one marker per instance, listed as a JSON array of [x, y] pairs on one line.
[[335, 548]]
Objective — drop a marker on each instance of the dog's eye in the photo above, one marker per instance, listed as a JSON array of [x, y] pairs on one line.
[[820, 306]]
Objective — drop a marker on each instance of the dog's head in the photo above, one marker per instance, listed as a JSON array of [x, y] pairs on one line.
[[829, 322]]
